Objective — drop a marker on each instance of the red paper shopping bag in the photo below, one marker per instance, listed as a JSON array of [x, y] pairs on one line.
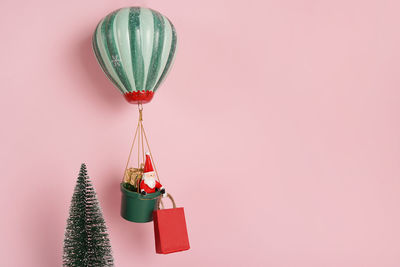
[[170, 229]]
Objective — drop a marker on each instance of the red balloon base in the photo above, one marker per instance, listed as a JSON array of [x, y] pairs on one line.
[[139, 97]]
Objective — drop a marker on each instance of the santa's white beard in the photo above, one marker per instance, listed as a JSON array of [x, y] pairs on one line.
[[150, 181]]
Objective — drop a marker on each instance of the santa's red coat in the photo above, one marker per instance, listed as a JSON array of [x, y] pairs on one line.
[[147, 189]]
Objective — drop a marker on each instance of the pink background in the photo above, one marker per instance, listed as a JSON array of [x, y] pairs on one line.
[[277, 130]]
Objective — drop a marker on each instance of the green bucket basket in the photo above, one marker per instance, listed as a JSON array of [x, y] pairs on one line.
[[138, 208]]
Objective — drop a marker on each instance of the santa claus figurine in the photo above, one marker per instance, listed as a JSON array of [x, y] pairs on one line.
[[149, 184]]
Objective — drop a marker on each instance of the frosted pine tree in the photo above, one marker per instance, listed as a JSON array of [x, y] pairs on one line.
[[86, 242]]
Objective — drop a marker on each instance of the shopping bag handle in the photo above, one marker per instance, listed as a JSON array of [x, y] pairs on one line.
[[160, 202]]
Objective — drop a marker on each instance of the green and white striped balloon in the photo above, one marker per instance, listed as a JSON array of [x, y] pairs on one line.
[[135, 47]]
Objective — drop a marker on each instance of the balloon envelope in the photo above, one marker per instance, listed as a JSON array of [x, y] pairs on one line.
[[135, 47]]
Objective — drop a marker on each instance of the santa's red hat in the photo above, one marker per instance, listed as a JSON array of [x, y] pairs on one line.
[[148, 166]]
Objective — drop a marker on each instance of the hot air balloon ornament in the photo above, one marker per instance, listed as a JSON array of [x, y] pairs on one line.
[[135, 47]]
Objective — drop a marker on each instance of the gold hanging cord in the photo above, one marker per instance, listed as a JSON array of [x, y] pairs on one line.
[[140, 133]]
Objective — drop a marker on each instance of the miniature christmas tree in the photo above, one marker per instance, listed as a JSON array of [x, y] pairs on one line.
[[86, 242]]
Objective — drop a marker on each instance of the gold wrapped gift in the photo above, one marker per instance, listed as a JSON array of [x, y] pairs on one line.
[[133, 176]]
